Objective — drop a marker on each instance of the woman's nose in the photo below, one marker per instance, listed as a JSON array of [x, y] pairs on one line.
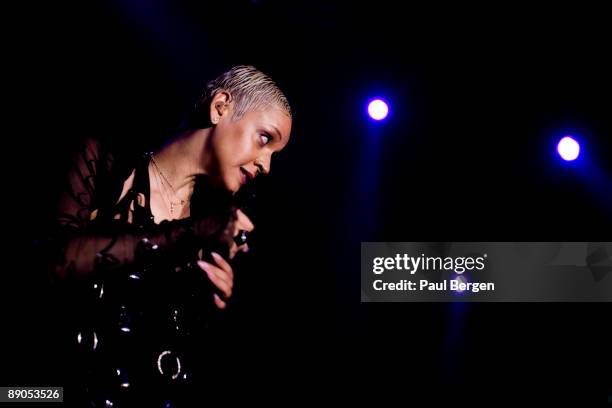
[[263, 165]]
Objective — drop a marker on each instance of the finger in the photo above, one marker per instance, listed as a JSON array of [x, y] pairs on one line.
[[220, 303], [219, 282], [223, 264], [243, 222], [233, 251], [218, 272]]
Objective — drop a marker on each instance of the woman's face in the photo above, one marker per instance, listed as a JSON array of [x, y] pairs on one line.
[[242, 149]]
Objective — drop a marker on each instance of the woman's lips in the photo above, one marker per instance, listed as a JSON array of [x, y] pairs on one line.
[[245, 176]]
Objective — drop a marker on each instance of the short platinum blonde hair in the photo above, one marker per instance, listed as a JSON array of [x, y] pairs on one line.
[[249, 89]]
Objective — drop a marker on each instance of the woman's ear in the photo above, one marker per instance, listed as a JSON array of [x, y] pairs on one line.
[[219, 106]]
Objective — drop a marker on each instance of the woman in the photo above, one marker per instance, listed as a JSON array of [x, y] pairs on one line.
[[159, 218]]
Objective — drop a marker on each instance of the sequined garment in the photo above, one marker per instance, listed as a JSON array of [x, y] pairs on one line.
[[142, 311]]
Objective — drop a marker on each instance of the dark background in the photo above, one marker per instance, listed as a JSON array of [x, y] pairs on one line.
[[479, 97]]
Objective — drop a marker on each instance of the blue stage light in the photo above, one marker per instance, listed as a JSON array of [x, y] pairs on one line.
[[461, 279], [568, 148], [378, 109]]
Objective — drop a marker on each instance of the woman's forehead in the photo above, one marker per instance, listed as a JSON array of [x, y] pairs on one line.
[[273, 118]]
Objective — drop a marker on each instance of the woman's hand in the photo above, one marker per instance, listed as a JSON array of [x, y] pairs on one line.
[[221, 273], [242, 223]]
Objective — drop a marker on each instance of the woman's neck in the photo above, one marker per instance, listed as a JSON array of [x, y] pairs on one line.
[[183, 158]]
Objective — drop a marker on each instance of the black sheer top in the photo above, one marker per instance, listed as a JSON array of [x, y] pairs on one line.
[[95, 227], [141, 311]]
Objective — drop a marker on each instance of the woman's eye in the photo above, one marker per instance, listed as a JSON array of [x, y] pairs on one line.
[[265, 139]]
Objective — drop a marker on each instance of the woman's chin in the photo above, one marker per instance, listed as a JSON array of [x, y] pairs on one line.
[[232, 186], [224, 184]]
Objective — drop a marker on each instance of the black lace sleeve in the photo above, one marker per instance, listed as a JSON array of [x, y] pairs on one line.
[[82, 241]]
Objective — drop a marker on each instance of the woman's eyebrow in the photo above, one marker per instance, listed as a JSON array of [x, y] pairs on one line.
[[278, 133]]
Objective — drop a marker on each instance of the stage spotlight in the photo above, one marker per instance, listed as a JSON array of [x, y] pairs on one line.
[[461, 279], [378, 109], [568, 148]]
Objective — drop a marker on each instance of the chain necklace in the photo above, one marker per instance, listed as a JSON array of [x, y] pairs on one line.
[[167, 186]]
